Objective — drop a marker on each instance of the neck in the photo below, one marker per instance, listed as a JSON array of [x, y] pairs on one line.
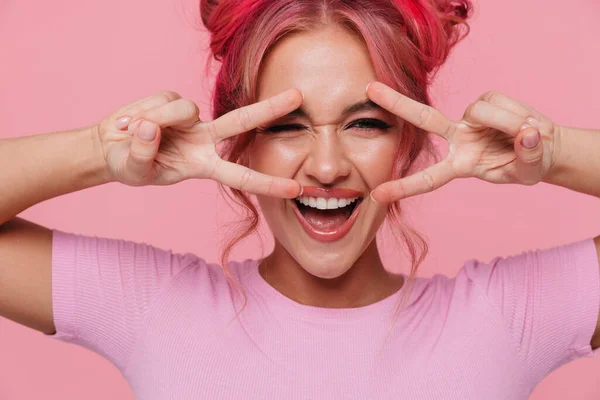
[[366, 282]]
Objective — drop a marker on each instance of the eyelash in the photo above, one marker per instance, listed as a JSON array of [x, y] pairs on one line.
[[372, 122]]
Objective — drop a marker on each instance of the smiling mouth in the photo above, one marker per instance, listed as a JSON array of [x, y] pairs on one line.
[[326, 220], [317, 215]]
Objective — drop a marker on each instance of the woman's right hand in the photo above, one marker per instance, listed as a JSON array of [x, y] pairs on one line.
[[180, 146]]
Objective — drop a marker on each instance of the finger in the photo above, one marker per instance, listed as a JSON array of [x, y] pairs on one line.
[[248, 180], [527, 112], [530, 152], [424, 181], [121, 111], [482, 113], [147, 103], [142, 150], [250, 117], [510, 104], [182, 113], [418, 114]]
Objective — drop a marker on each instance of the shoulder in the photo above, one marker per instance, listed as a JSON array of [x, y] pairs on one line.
[[200, 272]]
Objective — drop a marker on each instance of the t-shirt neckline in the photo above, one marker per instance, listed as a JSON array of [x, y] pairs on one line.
[[277, 299]]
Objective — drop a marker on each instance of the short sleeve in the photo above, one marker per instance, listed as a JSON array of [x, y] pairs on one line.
[[549, 300], [102, 290]]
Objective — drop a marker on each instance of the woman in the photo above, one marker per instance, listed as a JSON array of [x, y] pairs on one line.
[[323, 110]]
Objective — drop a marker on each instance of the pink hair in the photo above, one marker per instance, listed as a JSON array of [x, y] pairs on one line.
[[408, 41]]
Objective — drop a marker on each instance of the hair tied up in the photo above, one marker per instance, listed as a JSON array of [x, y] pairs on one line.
[[406, 40], [454, 11], [434, 26], [224, 19], [207, 7]]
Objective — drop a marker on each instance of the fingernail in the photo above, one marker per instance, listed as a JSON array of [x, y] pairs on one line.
[[371, 196], [533, 121], [525, 126], [367, 88], [122, 122], [147, 131], [531, 140], [301, 191]]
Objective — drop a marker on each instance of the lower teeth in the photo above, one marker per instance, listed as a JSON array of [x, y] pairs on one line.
[[327, 219]]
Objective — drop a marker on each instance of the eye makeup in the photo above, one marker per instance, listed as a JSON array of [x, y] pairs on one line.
[[281, 128], [366, 124], [369, 124]]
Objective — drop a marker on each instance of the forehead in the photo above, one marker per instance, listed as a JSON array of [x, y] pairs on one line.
[[330, 66]]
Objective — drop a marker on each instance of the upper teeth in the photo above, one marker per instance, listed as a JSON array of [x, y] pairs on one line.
[[325, 204]]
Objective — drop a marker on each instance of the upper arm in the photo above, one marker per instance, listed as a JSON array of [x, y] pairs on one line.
[[26, 274], [547, 300], [91, 291], [596, 337]]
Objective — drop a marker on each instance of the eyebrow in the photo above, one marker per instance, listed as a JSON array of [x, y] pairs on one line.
[[353, 108]]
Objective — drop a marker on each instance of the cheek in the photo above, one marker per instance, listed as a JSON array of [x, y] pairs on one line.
[[276, 157], [374, 158]]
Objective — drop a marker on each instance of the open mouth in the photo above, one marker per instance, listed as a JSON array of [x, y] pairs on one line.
[[327, 219], [326, 214]]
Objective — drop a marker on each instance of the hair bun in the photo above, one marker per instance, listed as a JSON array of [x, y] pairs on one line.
[[454, 11], [223, 18], [435, 27], [207, 7]]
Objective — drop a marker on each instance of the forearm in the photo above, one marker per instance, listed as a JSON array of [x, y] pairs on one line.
[[577, 165], [40, 167]]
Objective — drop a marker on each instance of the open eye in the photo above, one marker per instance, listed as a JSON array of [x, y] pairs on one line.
[[369, 124], [282, 128]]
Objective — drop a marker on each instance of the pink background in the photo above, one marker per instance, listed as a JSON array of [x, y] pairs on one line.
[[68, 63]]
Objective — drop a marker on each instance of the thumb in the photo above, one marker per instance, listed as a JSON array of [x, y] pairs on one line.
[[529, 151], [142, 150]]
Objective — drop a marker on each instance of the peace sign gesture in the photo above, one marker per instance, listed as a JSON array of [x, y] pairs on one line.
[[160, 140], [497, 141]]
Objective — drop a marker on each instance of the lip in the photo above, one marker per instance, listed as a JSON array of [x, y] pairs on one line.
[[328, 193], [327, 236]]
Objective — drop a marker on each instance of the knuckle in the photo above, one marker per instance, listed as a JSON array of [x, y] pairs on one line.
[[243, 117], [424, 115], [491, 96], [450, 130], [155, 114], [168, 96], [476, 108], [245, 179], [428, 180], [468, 110], [190, 109]]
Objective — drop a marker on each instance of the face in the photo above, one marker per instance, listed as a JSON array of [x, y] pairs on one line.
[[337, 139]]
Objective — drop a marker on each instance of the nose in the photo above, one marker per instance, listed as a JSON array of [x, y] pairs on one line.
[[327, 160]]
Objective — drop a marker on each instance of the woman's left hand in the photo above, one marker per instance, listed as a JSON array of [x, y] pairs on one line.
[[489, 143]]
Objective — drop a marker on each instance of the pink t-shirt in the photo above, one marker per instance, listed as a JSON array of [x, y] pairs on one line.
[[166, 322]]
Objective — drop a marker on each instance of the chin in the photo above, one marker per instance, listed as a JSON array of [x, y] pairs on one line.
[[325, 266]]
